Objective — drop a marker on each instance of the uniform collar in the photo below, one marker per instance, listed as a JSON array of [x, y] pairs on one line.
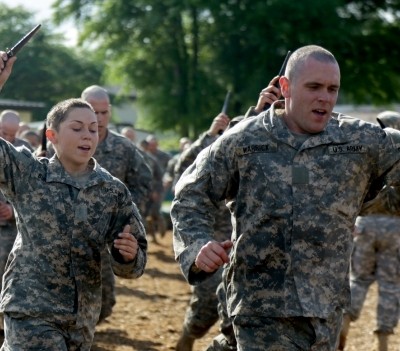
[[274, 123], [57, 174]]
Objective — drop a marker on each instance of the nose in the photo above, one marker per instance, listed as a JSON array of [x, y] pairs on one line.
[[87, 134], [99, 116], [325, 96]]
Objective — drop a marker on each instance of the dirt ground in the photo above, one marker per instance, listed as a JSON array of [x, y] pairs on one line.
[[149, 311]]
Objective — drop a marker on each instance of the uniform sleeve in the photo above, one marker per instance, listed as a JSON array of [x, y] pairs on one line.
[[198, 192], [384, 193], [390, 157], [189, 155], [251, 112], [14, 165], [129, 214], [139, 179]]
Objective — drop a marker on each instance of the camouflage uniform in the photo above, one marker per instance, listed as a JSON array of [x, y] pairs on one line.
[[154, 207], [53, 273], [158, 188], [119, 156], [20, 142], [376, 258], [162, 157], [125, 161], [8, 232], [375, 255], [303, 195], [8, 229], [202, 312], [169, 173]]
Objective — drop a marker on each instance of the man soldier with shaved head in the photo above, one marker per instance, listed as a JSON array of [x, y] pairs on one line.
[[123, 160], [294, 179]]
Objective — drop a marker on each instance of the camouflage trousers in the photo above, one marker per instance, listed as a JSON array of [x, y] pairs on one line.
[[221, 343], [24, 333], [202, 312], [287, 334], [374, 260], [226, 340], [7, 238], [107, 287]]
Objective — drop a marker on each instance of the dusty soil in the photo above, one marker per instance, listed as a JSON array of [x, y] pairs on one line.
[[149, 311]]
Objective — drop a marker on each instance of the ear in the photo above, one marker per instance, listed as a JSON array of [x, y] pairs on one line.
[[285, 86], [51, 135]]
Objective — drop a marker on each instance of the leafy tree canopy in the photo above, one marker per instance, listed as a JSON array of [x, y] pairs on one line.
[[182, 56], [45, 71]]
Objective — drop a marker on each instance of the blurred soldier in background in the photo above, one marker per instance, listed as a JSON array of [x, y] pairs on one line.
[[129, 132], [202, 312], [375, 258], [9, 125], [155, 220], [123, 160], [169, 174]]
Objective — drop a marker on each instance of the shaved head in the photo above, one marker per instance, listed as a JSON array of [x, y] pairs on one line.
[[9, 121]]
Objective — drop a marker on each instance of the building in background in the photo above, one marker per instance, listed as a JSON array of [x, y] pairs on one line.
[[24, 108]]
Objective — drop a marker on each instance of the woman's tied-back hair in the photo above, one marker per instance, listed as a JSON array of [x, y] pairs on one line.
[[298, 58], [60, 111]]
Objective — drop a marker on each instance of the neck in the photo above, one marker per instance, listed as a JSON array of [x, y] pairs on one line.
[[103, 135], [79, 170]]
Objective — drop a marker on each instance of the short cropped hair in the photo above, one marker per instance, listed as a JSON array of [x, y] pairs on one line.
[[60, 111], [298, 58]]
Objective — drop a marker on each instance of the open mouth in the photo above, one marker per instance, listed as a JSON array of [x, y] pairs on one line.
[[319, 112]]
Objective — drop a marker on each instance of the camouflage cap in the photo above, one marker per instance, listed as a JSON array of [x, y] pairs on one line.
[[389, 119]]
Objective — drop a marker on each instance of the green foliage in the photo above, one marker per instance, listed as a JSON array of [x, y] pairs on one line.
[[45, 71], [182, 56]]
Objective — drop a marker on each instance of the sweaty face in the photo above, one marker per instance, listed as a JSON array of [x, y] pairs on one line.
[[311, 96], [102, 109], [77, 138]]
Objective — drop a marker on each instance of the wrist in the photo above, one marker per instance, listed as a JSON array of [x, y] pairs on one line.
[[258, 109], [195, 269]]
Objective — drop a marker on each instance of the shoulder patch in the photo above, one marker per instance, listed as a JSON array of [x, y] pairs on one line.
[[26, 155]]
